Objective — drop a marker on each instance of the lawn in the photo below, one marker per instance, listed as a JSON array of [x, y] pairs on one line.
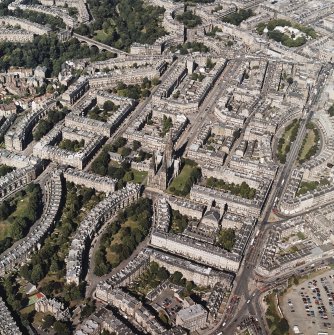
[[181, 184], [28, 309], [22, 205], [100, 35], [309, 142], [4, 229], [111, 256], [287, 139], [139, 176], [180, 181]]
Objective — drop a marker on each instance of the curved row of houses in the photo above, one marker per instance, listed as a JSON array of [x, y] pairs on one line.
[[19, 253]]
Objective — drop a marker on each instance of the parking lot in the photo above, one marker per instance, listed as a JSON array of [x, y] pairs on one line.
[[310, 305]]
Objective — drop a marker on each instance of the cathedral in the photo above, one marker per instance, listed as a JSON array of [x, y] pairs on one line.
[[164, 167]]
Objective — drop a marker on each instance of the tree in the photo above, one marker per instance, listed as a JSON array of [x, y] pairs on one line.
[[25, 272], [101, 269], [19, 228], [283, 326], [109, 106], [189, 19], [37, 273], [155, 81], [136, 145], [209, 63], [4, 169], [227, 238], [87, 310], [237, 17], [154, 268], [163, 317], [61, 328], [54, 267], [167, 123], [5, 210], [106, 332], [49, 321], [87, 194], [176, 277], [46, 50], [163, 274]]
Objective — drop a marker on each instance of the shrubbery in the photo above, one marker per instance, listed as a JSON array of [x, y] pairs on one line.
[[128, 237], [283, 38], [239, 16], [120, 23], [243, 190]]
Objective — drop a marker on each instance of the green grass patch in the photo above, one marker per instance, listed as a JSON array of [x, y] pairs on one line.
[[182, 184], [100, 36], [17, 215], [310, 144], [28, 309], [38, 319], [138, 176], [5, 225]]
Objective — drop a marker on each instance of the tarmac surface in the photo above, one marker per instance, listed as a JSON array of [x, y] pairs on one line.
[[310, 305]]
